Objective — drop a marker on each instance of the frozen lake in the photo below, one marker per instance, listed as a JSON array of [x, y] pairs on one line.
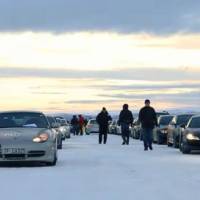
[[89, 171]]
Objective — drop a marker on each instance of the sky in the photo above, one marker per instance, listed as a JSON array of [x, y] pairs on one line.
[[80, 55]]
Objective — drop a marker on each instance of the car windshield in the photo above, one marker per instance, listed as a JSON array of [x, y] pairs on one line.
[[93, 122], [23, 120], [183, 119], [165, 120], [195, 123], [161, 113], [51, 120]]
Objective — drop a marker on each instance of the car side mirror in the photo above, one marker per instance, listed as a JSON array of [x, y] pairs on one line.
[[54, 125]]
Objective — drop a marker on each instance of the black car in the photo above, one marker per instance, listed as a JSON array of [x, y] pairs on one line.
[[160, 132], [174, 129], [190, 136]]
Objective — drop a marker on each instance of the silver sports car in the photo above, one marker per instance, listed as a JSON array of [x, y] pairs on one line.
[[27, 136]]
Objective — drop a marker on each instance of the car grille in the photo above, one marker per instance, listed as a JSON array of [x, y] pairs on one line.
[[31, 154], [14, 156], [36, 153]]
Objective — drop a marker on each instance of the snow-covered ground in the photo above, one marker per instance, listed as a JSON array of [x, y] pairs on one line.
[[88, 171]]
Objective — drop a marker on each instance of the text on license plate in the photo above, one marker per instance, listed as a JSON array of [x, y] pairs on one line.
[[13, 151]]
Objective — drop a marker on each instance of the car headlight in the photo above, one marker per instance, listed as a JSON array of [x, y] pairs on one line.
[[164, 131], [190, 136], [41, 138], [62, 129]]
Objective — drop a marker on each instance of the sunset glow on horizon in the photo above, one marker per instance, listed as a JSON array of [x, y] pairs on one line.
[[52, 72]]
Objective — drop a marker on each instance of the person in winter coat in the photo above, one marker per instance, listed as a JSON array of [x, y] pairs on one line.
[[75, 125], [81, 123], [125, 120], [103, 119], [148, 119]]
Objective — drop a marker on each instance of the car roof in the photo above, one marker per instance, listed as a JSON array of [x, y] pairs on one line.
[[163, 116], [186, 114], [196, 116]]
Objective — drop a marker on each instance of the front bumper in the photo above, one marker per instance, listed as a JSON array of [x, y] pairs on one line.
[[193, 144], [41, 152]]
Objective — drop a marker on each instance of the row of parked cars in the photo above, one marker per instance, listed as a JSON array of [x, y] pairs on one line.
[[31, 137], [179, 131]]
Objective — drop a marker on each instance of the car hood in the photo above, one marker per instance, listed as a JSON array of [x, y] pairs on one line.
[[19, 134], [193, 130]]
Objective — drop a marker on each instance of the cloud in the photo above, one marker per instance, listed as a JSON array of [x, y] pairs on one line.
[[147, 74], [91, 101], [158, 16], [191, 97]]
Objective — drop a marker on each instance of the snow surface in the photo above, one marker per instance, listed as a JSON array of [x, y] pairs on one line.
[[88, 171]]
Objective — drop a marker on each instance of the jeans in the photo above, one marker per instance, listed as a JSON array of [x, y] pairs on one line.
[[147, 137], [75, 129], [103, 134], [125, 133]]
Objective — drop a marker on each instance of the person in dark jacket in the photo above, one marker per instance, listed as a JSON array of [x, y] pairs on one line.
[[75, 125], [103, 119], [125, 120], [148, 119]]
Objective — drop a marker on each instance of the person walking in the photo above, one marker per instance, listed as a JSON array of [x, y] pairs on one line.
[[148, 119], [103, 119], [81, 123], [75, 125], [125, 120]]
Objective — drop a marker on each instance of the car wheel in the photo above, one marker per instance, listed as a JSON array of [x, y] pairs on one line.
[[184, 148], [60, 145], [54, 162], [158, 139], [169, 144]]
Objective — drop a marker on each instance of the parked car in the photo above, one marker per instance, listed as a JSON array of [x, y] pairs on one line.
[[158, 114], [27, 137], [190, 136], [64, 127], [136, 129], [160, 132], [92, 127], [55, 127], [119, 129], [174, 129], [113, 127]]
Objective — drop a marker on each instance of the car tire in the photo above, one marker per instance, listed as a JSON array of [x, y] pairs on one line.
[[54, 162], [184, 148], [60, 145], [158, 139]]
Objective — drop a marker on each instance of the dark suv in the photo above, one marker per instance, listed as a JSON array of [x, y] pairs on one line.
[[190, 136], [160, 132], [174, 129]]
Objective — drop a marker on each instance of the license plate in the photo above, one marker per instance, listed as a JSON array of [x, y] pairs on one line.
[[13, 151]]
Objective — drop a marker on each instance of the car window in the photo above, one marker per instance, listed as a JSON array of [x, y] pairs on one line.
[[93, 122], [23, 120], [183, 119], [195, 123], [165, 120]]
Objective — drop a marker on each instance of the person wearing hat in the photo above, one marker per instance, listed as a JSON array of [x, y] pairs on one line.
[[125, 120], [148, 119], [103, 119]]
